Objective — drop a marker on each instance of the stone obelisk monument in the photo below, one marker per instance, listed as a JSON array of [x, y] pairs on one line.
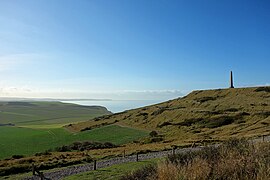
[[231, 80]]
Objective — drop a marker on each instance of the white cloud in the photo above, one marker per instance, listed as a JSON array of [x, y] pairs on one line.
[[14, 91], [150, 91], [148, 94], [27, 92]]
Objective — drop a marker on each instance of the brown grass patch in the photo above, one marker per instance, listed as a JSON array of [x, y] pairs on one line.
[[235, 159]]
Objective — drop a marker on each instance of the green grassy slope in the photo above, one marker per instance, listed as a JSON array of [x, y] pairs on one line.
[[114, 172], [47, 113], [26, 141], [208, 114]]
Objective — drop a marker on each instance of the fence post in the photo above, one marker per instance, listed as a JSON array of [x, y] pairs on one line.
[[124, 154], [173, 151], [137, 157], [41, 176], [95, 164], [263, 138], [33, 169]]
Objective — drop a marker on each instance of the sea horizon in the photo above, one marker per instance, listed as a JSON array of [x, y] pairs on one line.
[[116, 106]]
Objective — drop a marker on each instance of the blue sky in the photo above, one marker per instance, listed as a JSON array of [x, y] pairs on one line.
[[124, 49]]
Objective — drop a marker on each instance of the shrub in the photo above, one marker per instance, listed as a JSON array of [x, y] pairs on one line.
[[88, 159], [210, 123], [17, 156], [166, 123], [14, 170], [208, 153], [189, 122], [63, 149], [265, 89], [22, 168], [142, 173], [43, 153], [232, 110], [218, 122], [86, 129], [85, 145], [153, 133], [142, 114], [159, 111], [26, 161], [205, 99], [156, 139]]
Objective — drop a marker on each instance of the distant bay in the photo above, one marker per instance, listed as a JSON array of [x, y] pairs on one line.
[[116, 106]]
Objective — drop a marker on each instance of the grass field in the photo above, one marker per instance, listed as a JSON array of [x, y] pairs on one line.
[[113, 172], [27, 141], [47, 113]]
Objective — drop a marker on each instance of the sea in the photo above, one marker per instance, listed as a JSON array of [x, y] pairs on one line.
[[116, 106]]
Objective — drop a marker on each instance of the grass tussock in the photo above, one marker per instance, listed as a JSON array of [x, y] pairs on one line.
[[235, 159], [147, 172]]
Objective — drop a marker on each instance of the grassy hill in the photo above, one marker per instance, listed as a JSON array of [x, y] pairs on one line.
[[27, 141], [30, 127], [41, 114], [201, 115]]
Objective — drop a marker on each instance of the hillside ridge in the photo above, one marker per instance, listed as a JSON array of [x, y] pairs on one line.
[[202, 114], [23, 113]]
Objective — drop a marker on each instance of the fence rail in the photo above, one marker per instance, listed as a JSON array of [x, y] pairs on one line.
[[119, 160]]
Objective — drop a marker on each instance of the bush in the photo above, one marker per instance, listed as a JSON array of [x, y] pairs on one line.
[[153, 133], [142, 114], [156, 139], [142, 173], [63, 149], [17, 156], [208, 153], [85, 145], [166, 123], [159, 111], [14, 170], [205, 99], [86, 129], [218, 122], [43, 153], [189, 122], [265, 89], [88, 159], [22, 168]]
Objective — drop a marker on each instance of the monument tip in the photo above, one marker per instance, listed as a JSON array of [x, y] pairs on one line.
[[231, 80]]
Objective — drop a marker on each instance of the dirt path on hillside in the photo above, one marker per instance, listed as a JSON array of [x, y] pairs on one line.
[[59, 174]]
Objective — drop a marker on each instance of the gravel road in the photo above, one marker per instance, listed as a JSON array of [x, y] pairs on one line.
[[59, 174]]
